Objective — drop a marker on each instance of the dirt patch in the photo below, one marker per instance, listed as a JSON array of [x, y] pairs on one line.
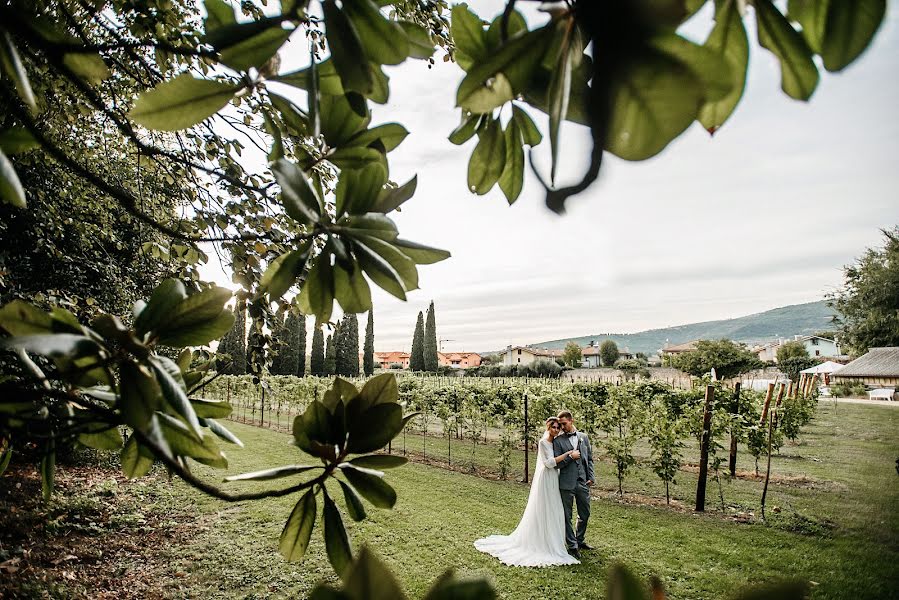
[[101, 536], [798, 481]]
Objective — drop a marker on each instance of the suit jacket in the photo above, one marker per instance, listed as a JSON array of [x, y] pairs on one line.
[[568, 467]]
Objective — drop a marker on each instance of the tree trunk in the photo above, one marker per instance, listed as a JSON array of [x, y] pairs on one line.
[[704, 448]]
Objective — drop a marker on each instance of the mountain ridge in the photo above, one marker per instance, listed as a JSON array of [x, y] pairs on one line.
[[783, 321]]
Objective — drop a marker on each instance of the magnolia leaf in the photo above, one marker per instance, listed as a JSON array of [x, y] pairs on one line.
[[384, 41], [511, 180], [379, 461], [469, 36], [134, 462], [358, 189], [851, 25], [342, 117], [301, 201], [276, 473], [488, 159], [256, 50], [337, 542], [89, 67], [162, 302], [317, 295], [392, 198], [370, 485], [298, 529], [11, 190], [11, 64], [354, 506], [390, 135], [347, 52], [728, 38], [419, 253], [282, 272], [181, 102], [421, 44], [466, 129], [16, 140], [799, 75], [526, 127]]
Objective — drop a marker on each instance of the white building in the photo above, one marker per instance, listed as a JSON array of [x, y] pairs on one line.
[[523, 355], [817, 347]]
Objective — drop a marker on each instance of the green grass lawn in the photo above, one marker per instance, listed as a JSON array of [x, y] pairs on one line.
[[838, 525]]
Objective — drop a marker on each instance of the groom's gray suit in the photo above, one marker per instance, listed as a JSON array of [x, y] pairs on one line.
[[573, 478]]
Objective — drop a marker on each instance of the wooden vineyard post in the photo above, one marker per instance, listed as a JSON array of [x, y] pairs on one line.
[[776, 411], [262, 409], [780, 393], [704, 448], [768, 396], [526, 441], [732, 463]]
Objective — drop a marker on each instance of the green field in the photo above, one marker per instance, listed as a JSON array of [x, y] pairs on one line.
[[836, 525]]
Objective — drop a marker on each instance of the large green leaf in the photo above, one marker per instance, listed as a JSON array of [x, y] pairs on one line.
[[799, 75], [134, 462], [218, 14], [12, 66], [337, 542], [172, 386], [183, 443], [354, 506], [317, 295], [198, 334], [181, 102], [202, 306], [282, 272], [511, 180], [466, 129], [139, 394], [108, 438], [276, 473], [374, 428], [64, 345], [728, 38], [15, 140], [340, 120], [447, 587], [392, 198], [493, 82], [221, 431], [419, 253], [384, 41], [162, 302], [559, 93], [380, 271], [710, 68], [381, 389], [293, 117], [526, 127], [256, 50], [11, 190], [210, 409], [328, 79], [358, 189], [20, 318], [488, 159], [368, 225], [355, 157], [389, 136], [851, 25], [301, 201], [421, 44], [653, 102], [371, 579], [351, 290], [87, 66], [298, 529], [399, 262], [379, 461], [469, 36], [370, 485], [515, 25], [347, 52]]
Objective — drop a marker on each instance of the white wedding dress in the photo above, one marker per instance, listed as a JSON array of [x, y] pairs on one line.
[[539, 539]]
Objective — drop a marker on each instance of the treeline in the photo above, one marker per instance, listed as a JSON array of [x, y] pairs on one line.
[[338, 354]]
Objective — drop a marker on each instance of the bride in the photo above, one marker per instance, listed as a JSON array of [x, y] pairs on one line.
[[539, 539]]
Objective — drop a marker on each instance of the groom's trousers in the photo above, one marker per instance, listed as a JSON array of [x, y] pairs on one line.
[[580, 496]]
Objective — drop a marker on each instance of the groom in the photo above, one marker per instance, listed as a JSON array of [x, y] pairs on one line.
[[575, 474]]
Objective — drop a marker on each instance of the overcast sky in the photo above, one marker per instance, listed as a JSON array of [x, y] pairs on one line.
[[762, 215]]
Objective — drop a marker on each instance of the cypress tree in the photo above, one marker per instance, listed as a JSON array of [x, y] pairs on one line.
[[341, 360], [330, 355], [417, 358], [280, 343], [233, 344], [368, 357], [351, 345], [317, 360], [301, 346], [288, 354], [430, 351]]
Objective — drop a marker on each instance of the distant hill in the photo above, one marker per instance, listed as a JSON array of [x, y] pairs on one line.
[[787, 321]]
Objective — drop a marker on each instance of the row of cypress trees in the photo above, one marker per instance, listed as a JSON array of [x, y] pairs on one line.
[[338, 355], [424, 343]]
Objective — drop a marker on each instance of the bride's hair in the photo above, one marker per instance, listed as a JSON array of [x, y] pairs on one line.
[[550, 421]]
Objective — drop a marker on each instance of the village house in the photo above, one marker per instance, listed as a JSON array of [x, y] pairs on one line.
[[385, 360], [817, 347], [592, 360], [524, 355], [879, 368], [671, 351], [459, 360]]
